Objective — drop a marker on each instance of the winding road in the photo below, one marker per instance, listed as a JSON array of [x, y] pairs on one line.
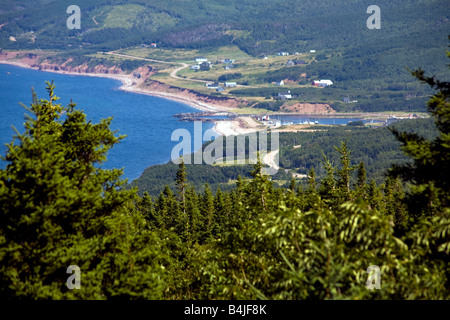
[[173, 74], [93, 18]]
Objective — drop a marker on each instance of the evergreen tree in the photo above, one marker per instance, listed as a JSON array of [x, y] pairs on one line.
[[428, 176], [292, 185], [221, 212], [312, 180], [328, 184], [58, 208], [361, 181], [181, 182], [344, 173], [207, 214], [374, 196]]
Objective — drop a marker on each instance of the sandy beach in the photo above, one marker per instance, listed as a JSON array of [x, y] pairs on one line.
[[241, 125]]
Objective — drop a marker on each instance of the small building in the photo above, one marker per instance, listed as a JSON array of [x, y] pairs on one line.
[[280, 83], [312, 51], [228, 61], [201, 59], [285, 95], [230, 84], [153, 45], [326, 82], [290, 63], [228, 67], [220, 88], [214, 85], [283, 53], [322, 83], [346, 100], [195, 67]]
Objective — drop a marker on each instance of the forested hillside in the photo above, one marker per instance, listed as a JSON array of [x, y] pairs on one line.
[[376, 147], [256, 26]]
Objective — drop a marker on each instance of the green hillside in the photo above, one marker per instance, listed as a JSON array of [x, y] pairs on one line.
[[377, 148], [368, 66]]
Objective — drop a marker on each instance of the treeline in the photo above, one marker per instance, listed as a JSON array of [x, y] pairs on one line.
[[154, 179], [376, 147], [230, 76]]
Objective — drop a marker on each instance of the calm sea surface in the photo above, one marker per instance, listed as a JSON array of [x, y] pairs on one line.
[[147, 121]]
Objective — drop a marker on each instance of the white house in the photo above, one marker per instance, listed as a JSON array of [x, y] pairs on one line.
[[283, 53], [312, 51], [325, 82], [195, 67], [281, 83], [322, 83], [200, 59], [285, 95], [230, 84]]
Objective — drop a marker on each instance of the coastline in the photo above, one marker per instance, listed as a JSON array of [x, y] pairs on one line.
[[130, 84]]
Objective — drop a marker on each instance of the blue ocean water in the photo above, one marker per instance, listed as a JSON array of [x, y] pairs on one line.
[[147, 121]]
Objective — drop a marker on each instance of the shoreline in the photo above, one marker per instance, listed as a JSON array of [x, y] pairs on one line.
[[130, 85], [240, 125]]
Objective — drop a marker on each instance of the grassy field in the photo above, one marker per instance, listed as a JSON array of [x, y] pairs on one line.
[[247, 71], [188, 55], [123, 16], [129, 15], [159, 66], [251, 69]]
